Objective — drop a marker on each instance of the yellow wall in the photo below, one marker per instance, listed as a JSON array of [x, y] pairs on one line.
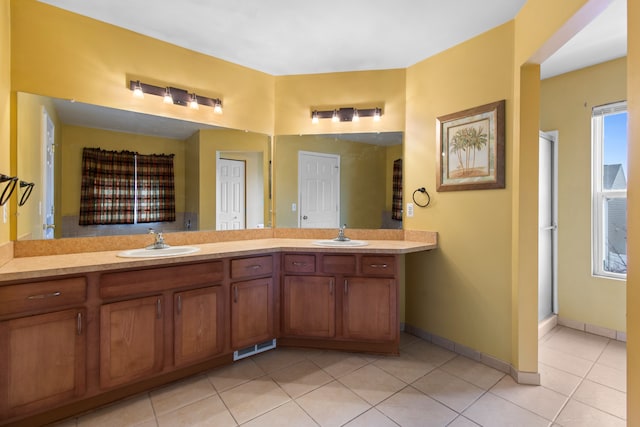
[[633, 214], [75, 138], [212, 141], [64, 55], [461, 291], [566, 103], [362, 186], [5, 96], [30, 160]]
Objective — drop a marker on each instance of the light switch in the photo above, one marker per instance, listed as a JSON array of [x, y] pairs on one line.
[[293, 207], [409, 210]]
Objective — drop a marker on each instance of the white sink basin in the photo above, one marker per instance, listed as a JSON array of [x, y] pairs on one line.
[[340, 243], [154, 253]]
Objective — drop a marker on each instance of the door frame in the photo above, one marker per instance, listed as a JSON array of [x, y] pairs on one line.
[[552, 136]]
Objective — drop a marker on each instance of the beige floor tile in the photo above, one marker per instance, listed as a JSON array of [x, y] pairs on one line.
[[577, 414], [409, 407], [233, 375], [254, 398], [537, 399], [615, 355], [430, 353], [558, 380], [287, 415], [602, 397], [179, 394], [494, 411], [611, 377], [333, 404], [136, 411], [404, 367], [462, 422], [565, 362], [372, 383], [206, 412], [577, 343], [407, 339], [474, 372], [448, 389], [337, 363], [372, 418], [301, 378], [279, 358]]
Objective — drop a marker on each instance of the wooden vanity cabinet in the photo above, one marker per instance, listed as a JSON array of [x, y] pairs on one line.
[[43, 342], [252, 301], [341, 301]]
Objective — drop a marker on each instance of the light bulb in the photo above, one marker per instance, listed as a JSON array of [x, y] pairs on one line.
[[335, 118], [217, 106], [137, 90], [376, 115], [356, 116], [314, 117], [168, 99], [194, 102]]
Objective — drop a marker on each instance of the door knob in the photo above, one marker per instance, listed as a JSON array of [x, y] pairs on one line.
[[305, 217]]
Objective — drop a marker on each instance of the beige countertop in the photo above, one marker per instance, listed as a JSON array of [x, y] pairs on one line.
[[34, 267]]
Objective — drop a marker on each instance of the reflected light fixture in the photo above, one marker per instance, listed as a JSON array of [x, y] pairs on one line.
[[346, 114], [175, 96], [168, 99]]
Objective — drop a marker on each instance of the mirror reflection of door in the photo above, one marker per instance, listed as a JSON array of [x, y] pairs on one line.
[[230, 194], [48, 147], [319, 187]]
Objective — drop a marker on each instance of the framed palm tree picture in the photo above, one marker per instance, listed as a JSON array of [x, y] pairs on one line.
[[471, 149]]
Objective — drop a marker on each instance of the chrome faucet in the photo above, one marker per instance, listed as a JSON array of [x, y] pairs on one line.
[[159, 240], [341, 237]]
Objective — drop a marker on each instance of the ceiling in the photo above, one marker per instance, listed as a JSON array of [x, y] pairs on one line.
[[288, 37]]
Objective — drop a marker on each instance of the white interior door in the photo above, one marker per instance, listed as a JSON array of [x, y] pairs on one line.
[[547, 234], [230, 194], [319, 190], [48, 150]]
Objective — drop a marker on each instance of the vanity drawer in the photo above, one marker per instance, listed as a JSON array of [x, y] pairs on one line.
[[378, 265], [299, 263], [43, 295], [339, 264], [243, 268], [134, 282]]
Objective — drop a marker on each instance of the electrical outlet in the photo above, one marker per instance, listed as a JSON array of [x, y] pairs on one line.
[[4, 214], [409, 210]]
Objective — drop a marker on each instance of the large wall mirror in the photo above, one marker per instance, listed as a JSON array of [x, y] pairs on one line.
[[51, 135], [331, 180]]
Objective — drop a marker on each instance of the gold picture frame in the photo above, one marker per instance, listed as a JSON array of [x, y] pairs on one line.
[[471, 149]]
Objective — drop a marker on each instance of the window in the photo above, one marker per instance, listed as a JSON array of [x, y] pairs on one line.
[[126, 188], [609, 190]]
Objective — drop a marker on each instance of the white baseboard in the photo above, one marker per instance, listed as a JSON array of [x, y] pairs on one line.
[[593, 329]]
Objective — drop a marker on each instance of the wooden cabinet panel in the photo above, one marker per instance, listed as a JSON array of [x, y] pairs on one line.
[[125, 283], [42, 362], [244, 268], [339, 264], [369, 309], [309, 306], [45, 295], [131, 340], [378, 265], [251, 312], [299, 263], [198, 324]]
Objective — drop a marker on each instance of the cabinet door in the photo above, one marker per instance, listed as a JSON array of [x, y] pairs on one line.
[[369, 309], [131, 340], [309, 308], [198, 324], [251, 312], [42, 361]]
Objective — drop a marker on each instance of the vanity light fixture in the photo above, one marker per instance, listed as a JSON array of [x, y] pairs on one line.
[[175, 96], [168, 99], [346, 114]]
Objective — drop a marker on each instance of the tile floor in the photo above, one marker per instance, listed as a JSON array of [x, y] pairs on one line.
[[583, 384]]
